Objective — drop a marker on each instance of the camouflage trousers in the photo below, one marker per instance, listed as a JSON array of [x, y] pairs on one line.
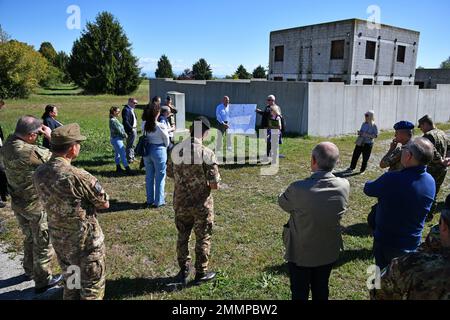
[[81, 256], [200, 219], [439, 177], [37, 250]]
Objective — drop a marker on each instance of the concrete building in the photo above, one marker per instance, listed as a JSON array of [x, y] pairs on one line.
[[430, 78], [350, 51]]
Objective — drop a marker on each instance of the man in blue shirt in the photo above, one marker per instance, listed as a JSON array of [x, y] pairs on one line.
[[222, 118], [404, 200]]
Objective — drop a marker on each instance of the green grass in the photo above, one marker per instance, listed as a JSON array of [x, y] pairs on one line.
[[247, 250]]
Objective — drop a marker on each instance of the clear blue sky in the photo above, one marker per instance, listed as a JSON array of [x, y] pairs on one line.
[[224, 32]]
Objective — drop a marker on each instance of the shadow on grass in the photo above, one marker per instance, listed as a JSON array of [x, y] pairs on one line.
[[345, 257], [94, 162], [281, 269], [358, 230], [117, 206], [129, 288], [61, 94], [346, 174], [352, 255]]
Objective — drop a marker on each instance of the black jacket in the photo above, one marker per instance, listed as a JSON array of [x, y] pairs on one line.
[[265, 117], [128, 119]]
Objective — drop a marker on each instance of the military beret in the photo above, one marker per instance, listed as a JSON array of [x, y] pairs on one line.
[[404, 125], [425, 118], [67, 134], [204, 121]]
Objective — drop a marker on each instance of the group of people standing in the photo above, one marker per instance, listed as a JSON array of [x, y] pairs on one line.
[[55, 203], [271, 120], [406, 199]]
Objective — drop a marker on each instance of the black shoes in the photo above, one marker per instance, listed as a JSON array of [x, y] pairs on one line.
[[128, 171], [55, 280], [204, 277], [119, 168], [182, 276]]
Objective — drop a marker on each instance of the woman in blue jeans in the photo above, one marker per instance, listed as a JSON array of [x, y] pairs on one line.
[[117, 134], [157, 138]]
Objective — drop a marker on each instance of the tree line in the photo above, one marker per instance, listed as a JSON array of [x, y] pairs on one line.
[[201, 70]]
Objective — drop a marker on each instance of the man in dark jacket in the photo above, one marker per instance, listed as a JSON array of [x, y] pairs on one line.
[[404, 200], [130, 125]]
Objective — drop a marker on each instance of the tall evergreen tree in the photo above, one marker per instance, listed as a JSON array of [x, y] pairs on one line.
[[164, 69], [102, 61], [48, 52], [201, 70], [259, 72], [242, 73]]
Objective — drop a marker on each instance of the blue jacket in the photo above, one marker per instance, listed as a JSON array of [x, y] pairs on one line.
[[52, 124], [128, 119], [404, 200]]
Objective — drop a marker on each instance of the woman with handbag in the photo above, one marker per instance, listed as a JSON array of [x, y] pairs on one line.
[[364, 142], [117, 134], [155, 158]]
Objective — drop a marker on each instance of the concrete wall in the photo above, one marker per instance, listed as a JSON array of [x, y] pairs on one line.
[[335, 109], [202, 97], [318, 109]]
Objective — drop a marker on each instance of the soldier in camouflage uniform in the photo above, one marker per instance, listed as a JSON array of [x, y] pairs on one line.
[[422, 275], [438, 166], [71, 197], [195, 171], [403, 134], [20, 157]]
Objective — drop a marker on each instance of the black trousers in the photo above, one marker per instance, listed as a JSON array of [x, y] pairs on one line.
[[366, 150], [304, 279]]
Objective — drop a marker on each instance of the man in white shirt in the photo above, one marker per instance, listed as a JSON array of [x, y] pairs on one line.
[[222, 111]]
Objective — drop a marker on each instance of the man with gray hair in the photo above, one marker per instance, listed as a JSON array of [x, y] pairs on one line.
[[404, 200], [20, 157], [312, 236]]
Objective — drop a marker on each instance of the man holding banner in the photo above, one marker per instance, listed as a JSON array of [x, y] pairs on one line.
[[222, 117]]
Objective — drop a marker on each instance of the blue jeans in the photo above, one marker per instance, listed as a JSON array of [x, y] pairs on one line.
[[119, 151], [155, 173], [384, 254]]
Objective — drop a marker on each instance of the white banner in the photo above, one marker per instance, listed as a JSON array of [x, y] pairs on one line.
[[242, 119]]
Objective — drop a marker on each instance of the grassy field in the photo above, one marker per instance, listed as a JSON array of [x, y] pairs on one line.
[[247, 249]]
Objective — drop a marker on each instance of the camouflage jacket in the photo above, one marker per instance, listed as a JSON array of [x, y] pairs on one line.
[[20, 159], [193, 167], [416, 276], [440, 141], [432, 243], [68, 193], [392, 159]]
